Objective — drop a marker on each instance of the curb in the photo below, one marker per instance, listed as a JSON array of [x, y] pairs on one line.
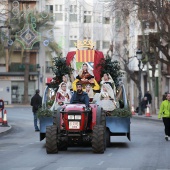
[[146, 118], [16, 106], [7, 130]]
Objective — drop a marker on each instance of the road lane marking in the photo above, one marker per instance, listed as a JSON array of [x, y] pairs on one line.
[[100, 163]]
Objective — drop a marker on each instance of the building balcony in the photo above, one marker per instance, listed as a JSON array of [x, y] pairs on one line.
[[35, 48], [18, 67]]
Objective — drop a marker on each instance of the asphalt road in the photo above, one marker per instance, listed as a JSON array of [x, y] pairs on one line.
[[20, 149]]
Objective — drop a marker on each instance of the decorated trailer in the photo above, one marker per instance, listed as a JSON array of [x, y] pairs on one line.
[[108, 114]]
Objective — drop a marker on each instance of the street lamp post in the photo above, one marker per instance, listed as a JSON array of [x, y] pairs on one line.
[[38, 70], [139, 57]]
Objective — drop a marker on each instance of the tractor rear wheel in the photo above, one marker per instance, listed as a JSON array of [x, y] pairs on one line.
[[51, 139], [98, 139]]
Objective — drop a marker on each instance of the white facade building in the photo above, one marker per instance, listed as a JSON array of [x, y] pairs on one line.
[[76, 20]]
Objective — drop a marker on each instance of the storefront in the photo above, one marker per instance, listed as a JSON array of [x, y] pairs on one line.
[[12, 89]]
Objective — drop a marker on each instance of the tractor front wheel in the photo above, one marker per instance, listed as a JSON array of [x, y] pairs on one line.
[[51, 139], [98, 139]]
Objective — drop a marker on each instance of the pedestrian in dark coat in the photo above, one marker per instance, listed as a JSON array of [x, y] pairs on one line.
[[144, 105], [149, 97], [80, 96], [36, 102]]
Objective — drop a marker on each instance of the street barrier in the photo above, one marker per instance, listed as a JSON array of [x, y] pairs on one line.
[[133, 110], [147, 112]]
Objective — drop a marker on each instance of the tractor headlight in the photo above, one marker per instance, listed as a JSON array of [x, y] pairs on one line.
[[77, 116], [71, 117]]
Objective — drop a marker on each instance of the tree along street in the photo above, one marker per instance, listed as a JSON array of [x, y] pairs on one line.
[[20, 149]]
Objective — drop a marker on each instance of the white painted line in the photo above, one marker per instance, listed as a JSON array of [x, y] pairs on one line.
[[100, 163], [31, 143]]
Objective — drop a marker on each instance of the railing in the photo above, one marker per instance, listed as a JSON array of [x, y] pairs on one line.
[[35, 47], [18, 67]]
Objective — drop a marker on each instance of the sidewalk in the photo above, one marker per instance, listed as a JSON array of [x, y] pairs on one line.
[[16, 105], [5, 129], [153, 117]]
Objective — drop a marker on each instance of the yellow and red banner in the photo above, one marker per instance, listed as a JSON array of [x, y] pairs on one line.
[[85, 56]]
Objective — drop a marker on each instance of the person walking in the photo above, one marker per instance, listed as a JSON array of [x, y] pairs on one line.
[[149, 97], [36, 102], [164, 113], [164, 96], [144, 105]]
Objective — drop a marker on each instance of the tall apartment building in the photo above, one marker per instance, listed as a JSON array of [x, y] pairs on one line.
[[11, 64], [78, 20]]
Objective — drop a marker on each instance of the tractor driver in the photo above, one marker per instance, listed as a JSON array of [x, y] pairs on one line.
[[80, 96]]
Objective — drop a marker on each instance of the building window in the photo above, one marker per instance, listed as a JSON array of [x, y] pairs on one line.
[[61, 8], [71, 43], [73, 8], [56, 7], [47, 67], [87, 19], [106, 20], [49, 8], [97, 45], [106, 44], [59, 16], [73, 17]]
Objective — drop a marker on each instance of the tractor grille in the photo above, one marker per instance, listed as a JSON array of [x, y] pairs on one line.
[[74, 120]]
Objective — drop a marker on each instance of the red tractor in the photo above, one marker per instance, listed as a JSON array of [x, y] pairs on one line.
[[76, 124]]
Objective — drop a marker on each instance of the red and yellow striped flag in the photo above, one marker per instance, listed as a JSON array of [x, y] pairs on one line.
[[85, 56]]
